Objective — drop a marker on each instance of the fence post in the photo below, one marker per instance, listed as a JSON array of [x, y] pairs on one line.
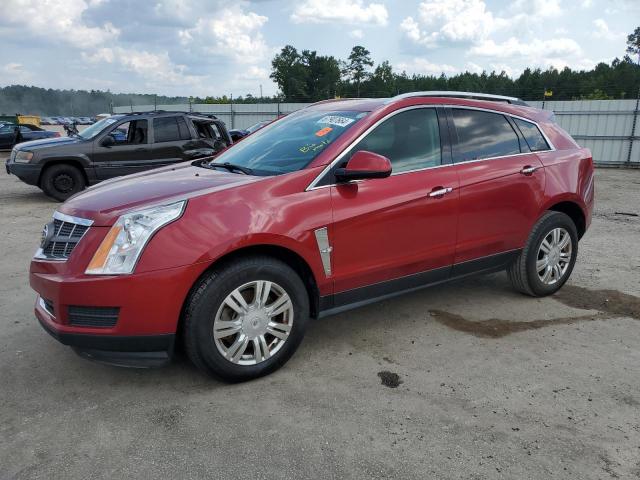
[[278, 113], [633, 128], [233, 114]]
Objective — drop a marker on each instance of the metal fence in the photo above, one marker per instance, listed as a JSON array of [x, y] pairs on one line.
[[236, 115], [609, 128]]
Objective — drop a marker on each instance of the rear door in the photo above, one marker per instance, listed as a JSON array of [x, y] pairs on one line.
[[501, 185], [131, 152], [171, 139], [394, 233]]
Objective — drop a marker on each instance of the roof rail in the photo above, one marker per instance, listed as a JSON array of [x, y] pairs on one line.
[[471, 95], [151, 112]]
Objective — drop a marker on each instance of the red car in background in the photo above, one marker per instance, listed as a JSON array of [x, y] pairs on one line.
[[339, 204]]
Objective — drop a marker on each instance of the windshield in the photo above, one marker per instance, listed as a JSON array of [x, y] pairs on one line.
[[93, 130], [291, 143], [258, 126]]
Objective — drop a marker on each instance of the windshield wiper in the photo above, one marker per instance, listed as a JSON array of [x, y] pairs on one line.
[[232, 167]]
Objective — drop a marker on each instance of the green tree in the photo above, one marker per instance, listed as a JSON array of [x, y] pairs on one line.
[[359, 62], [633, 42], [288, 71]]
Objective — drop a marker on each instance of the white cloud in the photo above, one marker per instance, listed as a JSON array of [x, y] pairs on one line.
[[602, 31], [474, 68], [15, 73], [156, 67], [58, 19], [357, 34], [425, 67], [343, 11], [536, 9], [451, 21], [230, 33], [535, 50]]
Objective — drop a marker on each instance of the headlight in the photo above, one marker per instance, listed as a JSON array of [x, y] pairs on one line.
[[119, 251], [23, 157]]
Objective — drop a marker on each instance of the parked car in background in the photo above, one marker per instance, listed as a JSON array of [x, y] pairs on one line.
[[339, 204], [238, 134], [8, 135], [47, 121], [115, 146]]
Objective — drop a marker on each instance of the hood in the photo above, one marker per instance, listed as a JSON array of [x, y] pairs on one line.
[[48, 142], [105, 202]]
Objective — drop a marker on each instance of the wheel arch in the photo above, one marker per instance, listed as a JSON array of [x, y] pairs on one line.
[[284, 254], [79, 164], [574, 211]]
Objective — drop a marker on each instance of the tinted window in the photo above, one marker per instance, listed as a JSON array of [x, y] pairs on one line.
[[165, 130], [532, 135], [410, 140], [483, 135], [182, 129]]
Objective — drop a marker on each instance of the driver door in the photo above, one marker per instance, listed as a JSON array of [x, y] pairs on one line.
[[397, 233], [130, 153]]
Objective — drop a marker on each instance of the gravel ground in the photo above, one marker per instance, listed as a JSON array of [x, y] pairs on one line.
[[464, 381]]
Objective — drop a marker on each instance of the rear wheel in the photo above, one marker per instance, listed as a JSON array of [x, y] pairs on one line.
[[246, 319], [62, 180], [547, 260]]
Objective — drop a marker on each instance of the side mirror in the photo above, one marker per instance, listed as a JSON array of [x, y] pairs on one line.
[[363, 165], [108, 141]]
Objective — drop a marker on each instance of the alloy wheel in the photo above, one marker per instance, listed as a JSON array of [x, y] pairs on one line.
[[253, 322], [554, 256]]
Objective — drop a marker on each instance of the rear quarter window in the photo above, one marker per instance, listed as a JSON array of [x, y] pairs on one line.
[[532, 135]]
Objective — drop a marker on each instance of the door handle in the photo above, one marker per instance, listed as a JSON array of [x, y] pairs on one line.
[[440, 192], [528, 170]]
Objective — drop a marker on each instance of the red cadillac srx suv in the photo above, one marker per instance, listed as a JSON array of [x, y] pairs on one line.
[[339, 204]]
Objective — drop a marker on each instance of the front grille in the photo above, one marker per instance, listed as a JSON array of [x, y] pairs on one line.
[[101, 317], [66, 236]]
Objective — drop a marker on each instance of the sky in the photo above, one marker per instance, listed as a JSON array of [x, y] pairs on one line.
[[216, 47]]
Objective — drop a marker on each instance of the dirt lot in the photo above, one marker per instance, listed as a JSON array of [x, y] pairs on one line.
[[468, 380]]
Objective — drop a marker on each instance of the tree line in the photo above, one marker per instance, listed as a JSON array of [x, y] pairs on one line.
[[306, 76]]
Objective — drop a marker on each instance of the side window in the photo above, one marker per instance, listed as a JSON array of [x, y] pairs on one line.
[[134, 132], [182, 129], [410, 140], [165, 130], [483, 135], [25, 129], [532, 135]]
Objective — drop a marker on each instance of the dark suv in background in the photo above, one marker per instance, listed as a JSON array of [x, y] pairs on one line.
[[116, 146]]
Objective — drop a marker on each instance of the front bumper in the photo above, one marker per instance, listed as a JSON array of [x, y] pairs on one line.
[[27, 172], [149, 309]]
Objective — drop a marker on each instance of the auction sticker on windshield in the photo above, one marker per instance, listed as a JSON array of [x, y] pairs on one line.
[[336, 120]]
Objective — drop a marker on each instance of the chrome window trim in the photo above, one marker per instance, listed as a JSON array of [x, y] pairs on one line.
[[328, 167], [71, 219]]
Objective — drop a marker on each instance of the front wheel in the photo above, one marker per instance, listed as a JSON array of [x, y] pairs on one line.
[[246, 319], [62, 180], [548, 258]]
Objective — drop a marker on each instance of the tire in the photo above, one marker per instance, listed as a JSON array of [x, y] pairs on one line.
[[523, 272], [208, 310], [62, 180]]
